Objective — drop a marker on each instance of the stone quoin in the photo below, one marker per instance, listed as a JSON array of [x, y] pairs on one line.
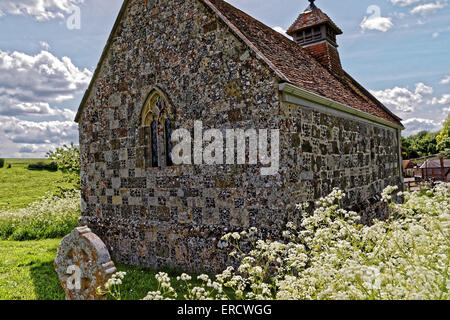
[[169, 63]]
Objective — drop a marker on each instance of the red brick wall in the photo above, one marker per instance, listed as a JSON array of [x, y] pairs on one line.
[[328, 55]]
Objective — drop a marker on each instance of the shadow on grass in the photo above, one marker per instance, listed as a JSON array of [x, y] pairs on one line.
[[46, 282]]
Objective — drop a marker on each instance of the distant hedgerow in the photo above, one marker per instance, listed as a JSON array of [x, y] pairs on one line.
[[53, 166]]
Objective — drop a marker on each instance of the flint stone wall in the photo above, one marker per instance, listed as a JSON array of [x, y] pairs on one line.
[[176, 216]]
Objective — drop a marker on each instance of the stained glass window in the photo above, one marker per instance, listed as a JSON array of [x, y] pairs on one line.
[[156, 117]]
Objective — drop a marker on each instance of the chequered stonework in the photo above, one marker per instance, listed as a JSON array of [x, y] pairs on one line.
[[176, 216]]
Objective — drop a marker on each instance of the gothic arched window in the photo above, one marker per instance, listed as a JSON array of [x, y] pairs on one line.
[[158, 131]]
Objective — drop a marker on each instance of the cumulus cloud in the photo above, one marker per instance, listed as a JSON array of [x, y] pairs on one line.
[[30, 86], [27, 149], [376, 21], [45, 132], [402, 99], [42, 77], [427, 8], [404, 3], [415, 125], [282, 31], [382, 24], [22, 138], [422, 89], [446, 80], [41, 10], [444, 100]]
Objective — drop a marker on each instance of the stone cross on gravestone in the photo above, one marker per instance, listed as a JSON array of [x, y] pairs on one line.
[[83, 264]]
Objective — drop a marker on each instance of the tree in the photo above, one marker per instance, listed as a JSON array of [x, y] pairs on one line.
[[422, 144], [68, 160], [443, 138]]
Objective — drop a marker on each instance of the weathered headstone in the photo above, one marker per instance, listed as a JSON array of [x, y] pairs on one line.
[[83, 264]]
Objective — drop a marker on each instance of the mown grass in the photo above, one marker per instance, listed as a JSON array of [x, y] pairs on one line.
[[26, 270], [19, 186], [27, 273], [26, 267]]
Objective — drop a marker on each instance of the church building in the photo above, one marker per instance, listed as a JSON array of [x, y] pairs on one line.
[[171, 63]]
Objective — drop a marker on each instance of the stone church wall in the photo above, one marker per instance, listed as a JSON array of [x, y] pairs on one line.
[[175, 216]]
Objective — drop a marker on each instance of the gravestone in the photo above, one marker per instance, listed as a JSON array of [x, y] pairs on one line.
[[83, 264]]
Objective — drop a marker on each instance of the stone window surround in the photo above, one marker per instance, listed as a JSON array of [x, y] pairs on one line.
[[156, 117]]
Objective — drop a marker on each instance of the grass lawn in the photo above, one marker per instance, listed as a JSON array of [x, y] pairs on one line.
[[26, 273], [20, 186], [26, 267]]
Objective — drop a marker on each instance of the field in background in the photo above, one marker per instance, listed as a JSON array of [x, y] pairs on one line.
[[26, 267], [20, 186]]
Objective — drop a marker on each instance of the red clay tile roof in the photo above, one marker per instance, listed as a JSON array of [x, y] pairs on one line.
[[311, 18], [294, 65], [285, 57]]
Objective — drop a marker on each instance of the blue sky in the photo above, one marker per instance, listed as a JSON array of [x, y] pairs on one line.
[[398, 49]]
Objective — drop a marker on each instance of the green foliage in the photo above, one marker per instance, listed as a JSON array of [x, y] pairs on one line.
[[68, 161], [445, 153], [53, 166], [443, 139], [67, 158], [445, 132], [420, 145], [2, 162], [44, 219], [332, 256]]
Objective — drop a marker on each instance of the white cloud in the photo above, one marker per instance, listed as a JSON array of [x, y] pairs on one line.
[[445, 99], [30, 83], [435, 35], [44, 45], [404, 3], [40, 77], [446, 80], [402, 99], [415, 125], [29, 88], [282, 31], [422, 89], [21, 138], [427, 8], [41, 10], [28, 149], [382, 24]]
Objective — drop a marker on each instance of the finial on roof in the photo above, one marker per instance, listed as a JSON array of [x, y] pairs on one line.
[[311, 6]]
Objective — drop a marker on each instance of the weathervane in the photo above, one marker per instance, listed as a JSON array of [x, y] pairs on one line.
[[312, 6]]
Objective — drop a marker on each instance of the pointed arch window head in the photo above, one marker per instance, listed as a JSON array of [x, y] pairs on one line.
[[156, 121]]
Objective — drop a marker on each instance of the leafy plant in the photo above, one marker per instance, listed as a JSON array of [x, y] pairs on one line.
[[332, 256], [2, 162], [68, 161], [48, 218]]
